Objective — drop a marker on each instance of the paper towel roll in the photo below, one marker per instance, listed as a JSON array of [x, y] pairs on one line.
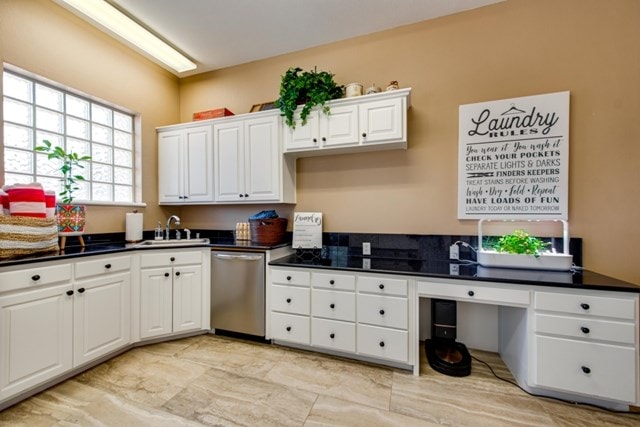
[[133, 227]]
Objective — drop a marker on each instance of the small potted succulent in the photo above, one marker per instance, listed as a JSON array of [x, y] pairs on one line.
[[71, 217], [307, 88]]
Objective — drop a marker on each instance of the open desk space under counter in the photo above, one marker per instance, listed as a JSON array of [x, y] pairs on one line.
[[572, 335]]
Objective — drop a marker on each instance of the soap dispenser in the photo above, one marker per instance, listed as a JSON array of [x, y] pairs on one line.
[[158, 234]]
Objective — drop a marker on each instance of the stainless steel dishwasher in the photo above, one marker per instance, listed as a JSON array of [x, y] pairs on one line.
[[238, 292]]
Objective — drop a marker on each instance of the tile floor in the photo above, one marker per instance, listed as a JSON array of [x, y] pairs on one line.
[[212, 380]]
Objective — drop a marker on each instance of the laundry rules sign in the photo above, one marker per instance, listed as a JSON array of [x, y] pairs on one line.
[[513, 160]]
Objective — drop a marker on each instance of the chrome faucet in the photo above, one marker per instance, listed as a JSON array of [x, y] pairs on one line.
[[167, 229]]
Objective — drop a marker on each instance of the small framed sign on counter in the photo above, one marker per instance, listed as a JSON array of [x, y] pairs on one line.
[[307, 230]]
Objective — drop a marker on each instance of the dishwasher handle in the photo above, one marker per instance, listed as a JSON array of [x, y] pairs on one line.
[[240, 257]]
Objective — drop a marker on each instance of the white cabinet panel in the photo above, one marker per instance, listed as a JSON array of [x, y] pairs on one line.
[[333, 334], [291, 327], [587, 304], [384, 343], [381, 121], [389, 312], [333, 280], [187, 298], [156, 302], [290, 299], [333, 305]]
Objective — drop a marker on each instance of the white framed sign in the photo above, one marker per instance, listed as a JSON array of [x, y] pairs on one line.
[[307, 230], [513, 158]]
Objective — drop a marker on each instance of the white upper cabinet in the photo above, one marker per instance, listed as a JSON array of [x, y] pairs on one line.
[[364, 123], [185, 165]]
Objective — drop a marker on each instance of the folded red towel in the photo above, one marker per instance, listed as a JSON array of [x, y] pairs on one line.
[[26, 200]]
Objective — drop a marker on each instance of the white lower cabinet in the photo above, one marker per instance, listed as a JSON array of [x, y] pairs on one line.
[[365, 316], [171, 292], [586, 343]]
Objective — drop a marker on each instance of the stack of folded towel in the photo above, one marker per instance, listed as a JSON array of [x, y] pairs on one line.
[[28, 200]]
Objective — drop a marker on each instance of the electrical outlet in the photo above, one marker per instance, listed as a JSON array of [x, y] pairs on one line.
[[454, 269], [366, 263], [454, 252], [366, 248]]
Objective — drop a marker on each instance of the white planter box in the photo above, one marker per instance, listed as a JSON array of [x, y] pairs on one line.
[[547, 261]]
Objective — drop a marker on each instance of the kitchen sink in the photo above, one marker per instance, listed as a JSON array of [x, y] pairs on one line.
[[171, 243]]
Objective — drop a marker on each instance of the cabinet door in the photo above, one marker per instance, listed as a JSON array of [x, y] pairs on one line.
[[36, 337], [155, 302], [382, 121], [101, 316], [303, 137], [340, 128], [187, 298], [170, 185], [262, 160], [198, 165], [228, 149]]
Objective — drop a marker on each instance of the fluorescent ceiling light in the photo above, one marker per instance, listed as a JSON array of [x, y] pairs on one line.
[[121, 25]]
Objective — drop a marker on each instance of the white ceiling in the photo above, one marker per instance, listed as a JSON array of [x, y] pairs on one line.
[[222, 33]]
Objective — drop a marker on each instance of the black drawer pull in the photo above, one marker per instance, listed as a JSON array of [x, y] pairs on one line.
[[471, 293], [381, 312], [332, 335], [177, 273], [332, 282], [364, 135], [288, 328], [315, 140], [381, 343], [289, 278], [585, 330], [69, 293], [108, 266], [585, 306], [332, 306], [288, 300], [381, 286], [81, 290], [172, 259], [35, 278], [586, 369], [166, 274]]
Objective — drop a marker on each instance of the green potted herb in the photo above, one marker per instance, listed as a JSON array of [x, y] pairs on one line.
[[520, 242], [310, 88], [71, 217]]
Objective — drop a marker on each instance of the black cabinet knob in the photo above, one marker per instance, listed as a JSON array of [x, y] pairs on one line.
[[332, 282], [585, 330], [332, 335], [324, 139], [35, 278], [289, 278], [81, 290], [69, 293], [177, 273], [585, 306], [586, 369], [315, 140], [471, 293], [246, 195], [364, 135], [381, 312], [381, 286], [288, 300], [107, 266], [288, 328], [172, 259], [185, 197], [381, 343], [166, 274], [332, 306], [241, 195]]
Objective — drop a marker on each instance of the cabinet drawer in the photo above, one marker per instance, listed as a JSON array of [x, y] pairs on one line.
[[382, 286], [289, 327], [290, 277], [333, 305], [290, 299], [333, 281], [384, 343], [476, 293], [585, 328], [616, 307], [170, 258], [391, 312], [34, 275], [333, 334], [599, 370], [101, 266]]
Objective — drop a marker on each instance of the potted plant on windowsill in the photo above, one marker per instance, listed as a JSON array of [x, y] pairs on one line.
[[310, 88], [71, 217]]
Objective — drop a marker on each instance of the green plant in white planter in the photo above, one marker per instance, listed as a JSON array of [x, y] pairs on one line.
[[520, 242], [71, 217]]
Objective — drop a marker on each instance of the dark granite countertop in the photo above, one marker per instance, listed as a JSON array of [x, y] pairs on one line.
[[439, 267]]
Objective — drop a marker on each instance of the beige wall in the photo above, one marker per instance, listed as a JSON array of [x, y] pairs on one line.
[[41, 37], [511, 49], [515, 48]]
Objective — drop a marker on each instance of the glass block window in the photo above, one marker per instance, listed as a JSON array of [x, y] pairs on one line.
[[35, 111]]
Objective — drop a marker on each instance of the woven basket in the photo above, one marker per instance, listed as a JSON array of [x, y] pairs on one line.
[[268, 232], [22, 235]]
